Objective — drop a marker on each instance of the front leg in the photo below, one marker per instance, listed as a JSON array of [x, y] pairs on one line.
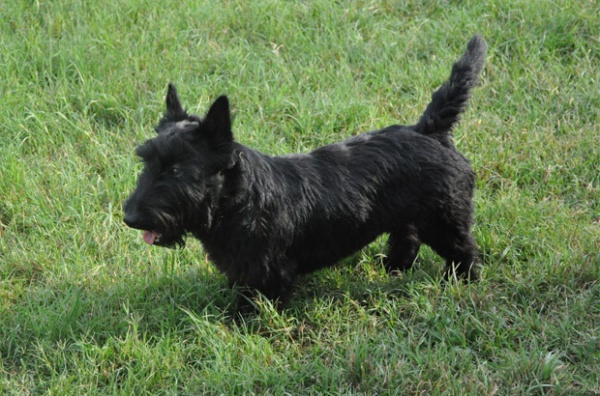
[[273, 283]]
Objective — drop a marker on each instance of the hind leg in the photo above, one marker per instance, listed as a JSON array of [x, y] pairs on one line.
[[403, 247], [460, 263], [457, 246]]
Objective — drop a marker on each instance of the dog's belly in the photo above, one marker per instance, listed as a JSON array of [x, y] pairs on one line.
[[325, 249]]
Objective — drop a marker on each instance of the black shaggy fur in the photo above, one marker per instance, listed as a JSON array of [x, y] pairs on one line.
[[263, 220]]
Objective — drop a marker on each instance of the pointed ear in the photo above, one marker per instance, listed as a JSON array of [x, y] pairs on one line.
[[174, 110], [218, 114], [218, 120]]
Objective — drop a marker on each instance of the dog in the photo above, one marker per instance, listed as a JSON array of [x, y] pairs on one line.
[[263, 220]]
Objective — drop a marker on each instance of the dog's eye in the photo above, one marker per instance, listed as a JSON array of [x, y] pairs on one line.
[[174, 171]]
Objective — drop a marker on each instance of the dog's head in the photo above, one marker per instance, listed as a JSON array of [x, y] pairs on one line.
[[183, 174]]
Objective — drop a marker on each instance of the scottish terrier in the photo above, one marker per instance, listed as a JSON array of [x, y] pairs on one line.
[[263, 220]]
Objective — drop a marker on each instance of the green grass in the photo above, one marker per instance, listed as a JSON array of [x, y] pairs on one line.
[[87, 308]]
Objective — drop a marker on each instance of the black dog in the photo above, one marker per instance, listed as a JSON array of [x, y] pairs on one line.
[[263, 220]]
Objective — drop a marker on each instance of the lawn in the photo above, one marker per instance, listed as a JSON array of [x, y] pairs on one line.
[[87, 308]]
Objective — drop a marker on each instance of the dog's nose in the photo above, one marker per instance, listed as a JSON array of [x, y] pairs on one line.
[[132, 219]]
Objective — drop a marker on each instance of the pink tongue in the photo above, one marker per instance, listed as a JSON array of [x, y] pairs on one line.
[[149, 237]]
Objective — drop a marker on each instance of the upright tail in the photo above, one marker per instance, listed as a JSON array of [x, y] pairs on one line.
[[450, 100]]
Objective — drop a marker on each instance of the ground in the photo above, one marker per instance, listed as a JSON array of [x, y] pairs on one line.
[[85, 304]]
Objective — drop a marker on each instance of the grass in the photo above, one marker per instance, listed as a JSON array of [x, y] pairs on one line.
[[87, 308]]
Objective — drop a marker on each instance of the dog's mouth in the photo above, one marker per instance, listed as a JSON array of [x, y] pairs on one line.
[[152, 237], [164, 240], [167, 237]]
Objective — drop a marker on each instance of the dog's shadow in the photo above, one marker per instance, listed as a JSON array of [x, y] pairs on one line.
[[356, 287], [363, 281], [174, 302], [360, 280]]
